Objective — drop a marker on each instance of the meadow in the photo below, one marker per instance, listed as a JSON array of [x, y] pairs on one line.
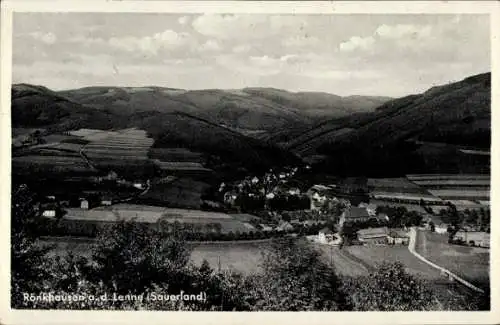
[[374, 255], [243, 257], [471, 263]]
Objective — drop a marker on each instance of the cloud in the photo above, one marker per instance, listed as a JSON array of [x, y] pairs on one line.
[[166, 40], [403, 31], [210, 46], [301, 41], [246, 26], [47, 38], [241, 48], [356, 42], [183, 20]]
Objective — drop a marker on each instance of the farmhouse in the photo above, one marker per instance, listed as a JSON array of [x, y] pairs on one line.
[[398, 237], [354, 214], [473, 238], [373, 236]]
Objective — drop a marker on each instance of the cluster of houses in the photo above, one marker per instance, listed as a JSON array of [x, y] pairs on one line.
[[114, 178], [270, 185], [289, 226]]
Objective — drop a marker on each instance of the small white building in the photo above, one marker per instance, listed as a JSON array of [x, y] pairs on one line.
[[270, 196], [441, 228], [255, 180], [139, 186], [49, 213], [84, 204], [326, 236], [106, 201]]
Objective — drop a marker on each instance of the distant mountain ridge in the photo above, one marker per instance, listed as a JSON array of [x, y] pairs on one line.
[[247, 108]]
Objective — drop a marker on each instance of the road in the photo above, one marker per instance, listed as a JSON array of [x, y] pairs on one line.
[[86, 159], [445, 272]]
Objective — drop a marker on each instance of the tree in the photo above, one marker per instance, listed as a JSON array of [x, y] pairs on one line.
[[390, 288], [29, 262], [294, 278], [432, 226], [130, 257]]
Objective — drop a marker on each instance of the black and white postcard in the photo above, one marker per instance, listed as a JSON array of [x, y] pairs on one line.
[[246, 157]]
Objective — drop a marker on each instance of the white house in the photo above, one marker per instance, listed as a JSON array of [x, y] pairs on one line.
[[84, 204], [49, 213], [270, 196], [441, 228], [294, 191], [255, 180], [106, 201], [326, 236]]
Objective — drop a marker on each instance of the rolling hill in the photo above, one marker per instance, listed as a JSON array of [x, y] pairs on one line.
[[401, 133], [39, 107], [245, 110]]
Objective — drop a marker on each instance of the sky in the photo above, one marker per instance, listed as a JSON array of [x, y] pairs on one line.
[[386, 55]]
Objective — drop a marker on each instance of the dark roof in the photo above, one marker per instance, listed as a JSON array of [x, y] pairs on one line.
[[398, 233], [326, 231], [355, 213], [373, 232]]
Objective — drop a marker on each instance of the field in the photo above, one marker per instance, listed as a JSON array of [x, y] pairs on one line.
[[468, 262], [445, 177], [454, 182], [456, 194], [180, 192], [344, 264], [67, 163], [399, 183], [374, 255], [124, 145], [175, 154], [244, 257], [152, 214]]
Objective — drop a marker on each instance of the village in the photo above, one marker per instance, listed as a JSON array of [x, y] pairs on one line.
[[279, 203]]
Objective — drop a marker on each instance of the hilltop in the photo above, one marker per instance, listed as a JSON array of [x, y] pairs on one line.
[[401, 135]]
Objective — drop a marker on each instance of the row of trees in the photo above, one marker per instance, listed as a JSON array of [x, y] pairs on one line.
[[131, 258]]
